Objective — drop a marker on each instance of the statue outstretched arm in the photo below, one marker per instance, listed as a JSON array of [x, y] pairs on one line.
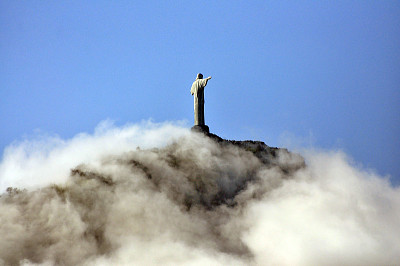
[[204, 81]]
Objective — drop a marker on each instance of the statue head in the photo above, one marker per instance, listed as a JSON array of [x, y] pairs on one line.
[[199, 76]]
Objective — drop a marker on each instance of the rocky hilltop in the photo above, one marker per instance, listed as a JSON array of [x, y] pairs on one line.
[[270, 156], [192, 191], [214, 170]]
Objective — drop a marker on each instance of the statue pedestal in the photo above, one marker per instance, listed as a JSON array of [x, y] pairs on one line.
[[200, 128]]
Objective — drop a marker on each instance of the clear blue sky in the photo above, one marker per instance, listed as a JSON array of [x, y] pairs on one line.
[[322, 70]]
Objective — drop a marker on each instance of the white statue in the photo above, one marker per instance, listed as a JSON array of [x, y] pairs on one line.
[[198, 91]]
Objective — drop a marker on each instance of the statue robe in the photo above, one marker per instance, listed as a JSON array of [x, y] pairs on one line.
[[198, 91]]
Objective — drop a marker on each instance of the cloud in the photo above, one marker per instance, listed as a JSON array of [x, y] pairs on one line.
[[152, 194], [46, 160]]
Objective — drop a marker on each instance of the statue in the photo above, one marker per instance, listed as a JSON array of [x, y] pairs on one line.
[[198, 91]]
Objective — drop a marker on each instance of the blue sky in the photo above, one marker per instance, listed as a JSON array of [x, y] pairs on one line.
[[326, 73]]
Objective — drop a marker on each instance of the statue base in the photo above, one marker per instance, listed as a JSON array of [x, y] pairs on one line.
[[201, 128]]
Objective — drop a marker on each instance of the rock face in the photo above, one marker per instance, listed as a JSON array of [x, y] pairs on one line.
[[270, 156]]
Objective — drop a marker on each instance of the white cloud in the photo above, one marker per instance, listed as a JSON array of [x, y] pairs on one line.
[[172, 205]]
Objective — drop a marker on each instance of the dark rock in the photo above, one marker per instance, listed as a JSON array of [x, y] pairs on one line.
[[288, 162], [201, 128]]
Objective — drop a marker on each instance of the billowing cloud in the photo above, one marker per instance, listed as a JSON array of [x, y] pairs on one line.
[[158, 194]]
